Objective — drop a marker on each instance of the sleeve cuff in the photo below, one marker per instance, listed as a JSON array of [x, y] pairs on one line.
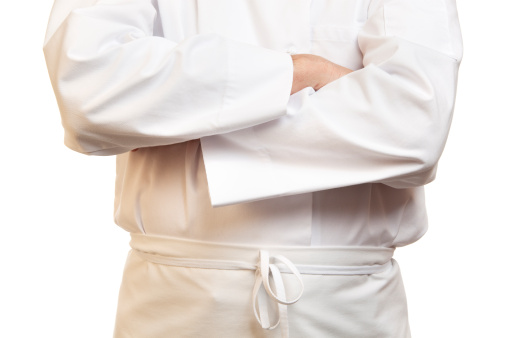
[[244, 171]]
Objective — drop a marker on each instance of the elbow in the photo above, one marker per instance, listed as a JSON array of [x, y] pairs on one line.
[[84, 69], [417, 172], [421, 160], [428, 157], [424, 173], [428, 137], [92, 125], [85, 136], [413, 180]]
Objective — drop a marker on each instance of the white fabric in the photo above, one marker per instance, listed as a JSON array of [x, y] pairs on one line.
[[386, 122], [220, 67], [203, 89], [159, 301], [121, 86], [265, 268], [205, 255], [148, 74]]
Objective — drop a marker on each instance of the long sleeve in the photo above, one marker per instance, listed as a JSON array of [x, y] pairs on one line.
[[385, 123], [119, 86]]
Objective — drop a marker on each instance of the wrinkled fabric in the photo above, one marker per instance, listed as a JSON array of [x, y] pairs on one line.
[[129, 74], [163, 191], [386, 122], [227, 155], [180, 299]]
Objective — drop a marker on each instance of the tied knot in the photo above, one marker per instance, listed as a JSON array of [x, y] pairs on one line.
[[267, 268]]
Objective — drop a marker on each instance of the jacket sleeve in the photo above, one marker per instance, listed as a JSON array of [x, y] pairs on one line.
[[385, 123], [119, 86]]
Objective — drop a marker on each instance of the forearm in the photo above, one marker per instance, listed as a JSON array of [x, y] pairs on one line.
[[120, 87], [385, 123]]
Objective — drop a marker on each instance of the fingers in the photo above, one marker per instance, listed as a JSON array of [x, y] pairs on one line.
[[314, 71]]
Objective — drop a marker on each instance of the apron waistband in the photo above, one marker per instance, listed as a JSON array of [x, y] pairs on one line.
[[324, 256], [268, 262]]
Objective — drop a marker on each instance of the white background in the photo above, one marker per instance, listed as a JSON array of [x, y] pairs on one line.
[[61, 255]]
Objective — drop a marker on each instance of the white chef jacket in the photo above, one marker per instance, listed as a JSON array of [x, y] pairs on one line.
[[226, 153]]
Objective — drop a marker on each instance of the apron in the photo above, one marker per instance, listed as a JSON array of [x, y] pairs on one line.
[[176, 287]]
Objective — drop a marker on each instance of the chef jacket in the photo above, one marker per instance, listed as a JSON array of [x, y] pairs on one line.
[[226, 153]]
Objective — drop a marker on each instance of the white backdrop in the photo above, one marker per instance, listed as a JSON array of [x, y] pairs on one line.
[[61, 255]]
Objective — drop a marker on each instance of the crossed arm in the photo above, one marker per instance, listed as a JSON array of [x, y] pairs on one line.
[[119, 87], [312, 71]]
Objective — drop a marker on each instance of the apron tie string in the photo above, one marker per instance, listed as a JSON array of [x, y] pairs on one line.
[[260, 302]]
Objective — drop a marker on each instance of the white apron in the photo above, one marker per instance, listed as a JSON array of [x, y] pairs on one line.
[[181, 288]]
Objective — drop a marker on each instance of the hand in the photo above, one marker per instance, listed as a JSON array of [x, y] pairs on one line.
[[314, 71]]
